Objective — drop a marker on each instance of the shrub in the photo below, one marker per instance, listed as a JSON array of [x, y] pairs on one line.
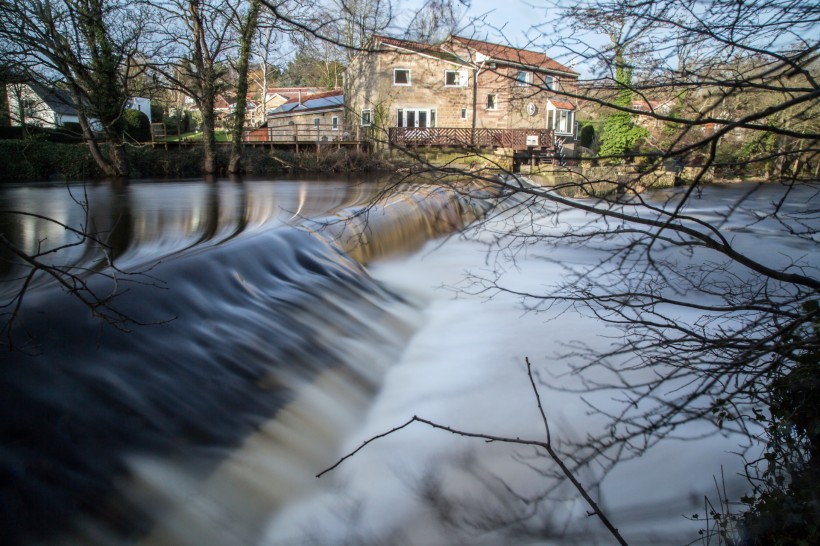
[[587, 136], [43, 160], [137, 125]]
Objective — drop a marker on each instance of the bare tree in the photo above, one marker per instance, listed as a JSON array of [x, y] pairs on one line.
[[709, 326], [196, 37], [435, 20], [90, 48], [247, 30]]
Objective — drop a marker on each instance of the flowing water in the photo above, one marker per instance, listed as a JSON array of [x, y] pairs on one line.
[[246, 349]]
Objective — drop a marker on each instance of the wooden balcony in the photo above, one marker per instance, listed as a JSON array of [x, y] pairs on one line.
[[514, 139], [306, 132]]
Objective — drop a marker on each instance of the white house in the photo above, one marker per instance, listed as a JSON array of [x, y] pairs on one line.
[[34, 104]]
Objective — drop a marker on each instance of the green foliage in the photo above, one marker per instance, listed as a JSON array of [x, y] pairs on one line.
[[619, 136], [31, 160], [308, 70], [157, 113], [43, 160], [587, 135], [136, 125]]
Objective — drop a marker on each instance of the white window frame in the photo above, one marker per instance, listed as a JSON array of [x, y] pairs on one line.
[[561, 121], [526, 80], [550, 82], [366, 118], [460, 78], [405, 115], [334, 123], [464, 113], [317, 122], [409, 77], [492, 104]]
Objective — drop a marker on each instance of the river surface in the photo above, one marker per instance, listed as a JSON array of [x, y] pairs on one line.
[[246, 342]]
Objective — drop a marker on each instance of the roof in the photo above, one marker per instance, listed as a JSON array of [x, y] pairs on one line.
[[58, 100], [495, 52], [562, 104], [418, 47], [503, 53], [316, 101]]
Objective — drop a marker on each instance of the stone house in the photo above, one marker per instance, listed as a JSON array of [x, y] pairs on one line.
[[305, 118], [460, 84]]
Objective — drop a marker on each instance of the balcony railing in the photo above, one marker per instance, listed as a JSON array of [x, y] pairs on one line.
[[516, 139], [305, 132]]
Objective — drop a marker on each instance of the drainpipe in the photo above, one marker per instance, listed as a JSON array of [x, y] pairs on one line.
[[476, 72]]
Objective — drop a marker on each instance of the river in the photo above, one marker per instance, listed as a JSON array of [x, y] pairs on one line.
[[243, 353]]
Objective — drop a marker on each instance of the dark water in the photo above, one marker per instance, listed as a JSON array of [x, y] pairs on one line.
[[223, 303]]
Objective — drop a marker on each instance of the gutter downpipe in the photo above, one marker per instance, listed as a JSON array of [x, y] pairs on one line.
[[476, 72]]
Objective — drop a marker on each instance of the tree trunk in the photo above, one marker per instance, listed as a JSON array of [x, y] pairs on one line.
[[235, 161], [208, 138], [110, 168]]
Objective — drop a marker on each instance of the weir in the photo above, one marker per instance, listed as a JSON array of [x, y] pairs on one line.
[[240, 367]]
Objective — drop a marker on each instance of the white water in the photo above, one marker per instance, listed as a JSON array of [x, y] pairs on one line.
[[465, 369]]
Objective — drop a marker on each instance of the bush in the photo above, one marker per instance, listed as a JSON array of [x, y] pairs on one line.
[[43, 160], [137, 125], [587, 136], [69, 133]]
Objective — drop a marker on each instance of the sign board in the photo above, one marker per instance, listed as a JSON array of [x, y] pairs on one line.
[[532, 140]]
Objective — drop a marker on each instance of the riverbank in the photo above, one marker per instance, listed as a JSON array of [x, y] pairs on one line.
[[30, 160], [38, 160]]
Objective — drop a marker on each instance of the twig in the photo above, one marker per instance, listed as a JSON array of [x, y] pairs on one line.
[[547, 446]]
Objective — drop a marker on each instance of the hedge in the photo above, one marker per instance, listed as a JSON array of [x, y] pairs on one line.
[[32, 159]]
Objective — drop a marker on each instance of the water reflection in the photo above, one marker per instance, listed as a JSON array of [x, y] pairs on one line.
[[149, 220]]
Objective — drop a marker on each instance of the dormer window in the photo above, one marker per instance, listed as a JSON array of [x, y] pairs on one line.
[[401, 76]]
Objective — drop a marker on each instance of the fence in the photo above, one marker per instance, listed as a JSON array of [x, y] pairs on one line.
[[306, 132], [516, 139]]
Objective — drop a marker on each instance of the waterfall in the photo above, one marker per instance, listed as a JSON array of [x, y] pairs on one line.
[[238, 371]]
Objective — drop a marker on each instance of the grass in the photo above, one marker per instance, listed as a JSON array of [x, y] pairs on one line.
[[221, 136]]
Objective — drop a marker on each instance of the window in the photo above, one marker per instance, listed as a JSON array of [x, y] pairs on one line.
[[455, 78], [492, 102], [316, 122], [549, 82], [560, 120], [401, 76], [523, 78], [463, 113], [367, 118], [416, 117], [334, 123]]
